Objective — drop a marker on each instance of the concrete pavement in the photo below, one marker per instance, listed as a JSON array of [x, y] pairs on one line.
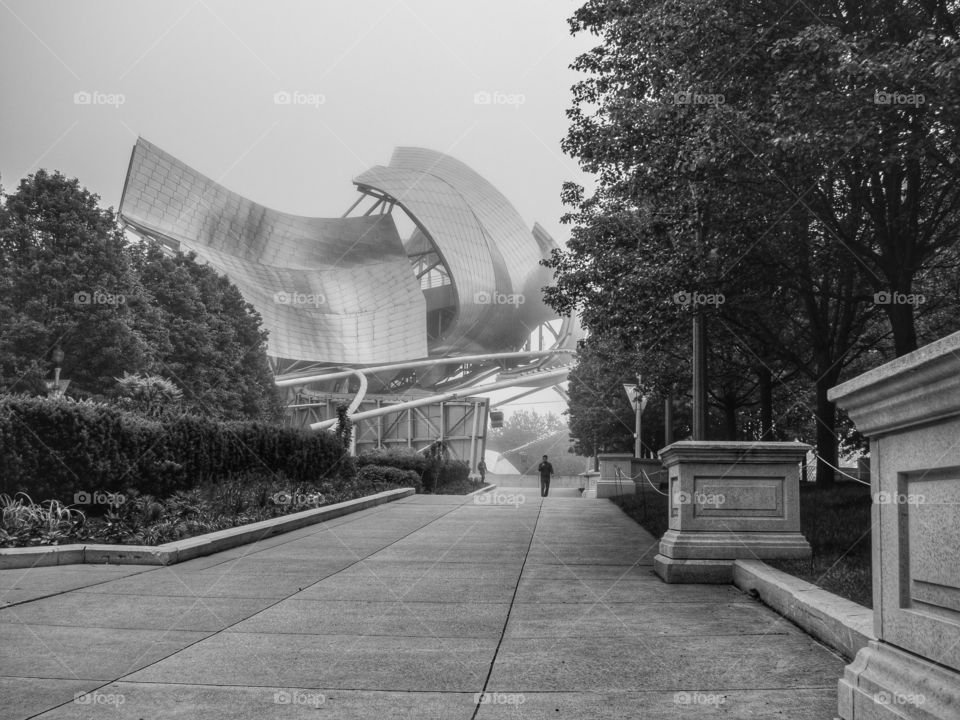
[[408, 610]]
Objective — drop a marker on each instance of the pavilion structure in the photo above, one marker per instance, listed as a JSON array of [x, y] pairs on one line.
[[421, 298]]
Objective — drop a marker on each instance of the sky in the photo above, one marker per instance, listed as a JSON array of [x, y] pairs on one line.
[[286, 102]]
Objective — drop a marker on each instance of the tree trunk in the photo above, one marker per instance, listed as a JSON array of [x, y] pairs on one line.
[[827, 444], [766, 402], [902, 325]]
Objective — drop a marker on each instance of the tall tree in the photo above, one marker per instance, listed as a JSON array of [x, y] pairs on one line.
[[70, 278], [209, 339], [66, 281], [701, 121]]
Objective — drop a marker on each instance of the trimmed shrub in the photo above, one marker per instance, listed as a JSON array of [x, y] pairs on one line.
[[452, 471], [403, 459], [377, 478], [53, 448], [433, 472]]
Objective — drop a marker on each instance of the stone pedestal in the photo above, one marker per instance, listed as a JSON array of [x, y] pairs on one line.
[[729, 501], [589, 483], [612, 483], [910, 410]]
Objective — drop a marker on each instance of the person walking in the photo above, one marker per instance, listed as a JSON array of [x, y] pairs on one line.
[[482, 469], [546, 470]]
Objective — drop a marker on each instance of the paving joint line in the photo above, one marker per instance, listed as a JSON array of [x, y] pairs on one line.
[[237, 622], [506, 622], [154, 568]]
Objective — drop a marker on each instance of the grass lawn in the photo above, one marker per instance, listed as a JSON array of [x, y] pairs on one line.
[[835, 521]]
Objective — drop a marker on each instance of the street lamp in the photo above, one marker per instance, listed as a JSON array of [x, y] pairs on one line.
[[700, 355], [638, 402], [57, 357]]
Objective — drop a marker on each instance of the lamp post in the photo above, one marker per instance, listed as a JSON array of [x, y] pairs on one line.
[[57, 357], [700, 429], [638, 402]]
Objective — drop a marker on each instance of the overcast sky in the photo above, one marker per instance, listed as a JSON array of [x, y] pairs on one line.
[[200, 79]]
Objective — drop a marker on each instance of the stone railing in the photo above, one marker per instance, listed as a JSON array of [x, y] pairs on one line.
[[910, 410]]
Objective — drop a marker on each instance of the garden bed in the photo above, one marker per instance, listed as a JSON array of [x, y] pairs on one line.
[[139, 519], [835, 521]]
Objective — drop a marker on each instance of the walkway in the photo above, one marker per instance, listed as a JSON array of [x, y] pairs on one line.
[[408, 610]]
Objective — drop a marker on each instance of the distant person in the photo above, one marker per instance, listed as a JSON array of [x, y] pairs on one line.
[[546, 470], [482, 469]]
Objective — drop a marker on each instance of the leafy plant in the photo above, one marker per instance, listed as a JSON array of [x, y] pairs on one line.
[[377, 478], [24, 522], [151, 395]]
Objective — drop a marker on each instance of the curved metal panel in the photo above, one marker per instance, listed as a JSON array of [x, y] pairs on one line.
[[500, 221], [478, 271], [333, 290]]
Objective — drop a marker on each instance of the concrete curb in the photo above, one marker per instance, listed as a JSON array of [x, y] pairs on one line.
[[835, 621], [181, 550], [481, 491]]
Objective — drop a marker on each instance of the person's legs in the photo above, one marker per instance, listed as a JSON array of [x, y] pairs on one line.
[[544, 487]]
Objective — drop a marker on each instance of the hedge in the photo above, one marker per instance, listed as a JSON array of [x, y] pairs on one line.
[[377, 478], [432, 472], [52, 448], [402, 459]]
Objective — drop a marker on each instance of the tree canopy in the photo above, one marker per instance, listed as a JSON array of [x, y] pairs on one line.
[[787, 169], [70, 279]]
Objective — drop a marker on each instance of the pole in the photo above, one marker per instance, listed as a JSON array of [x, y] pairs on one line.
[[699, 376], [699, 350], [473, 437], [638, 443], [668, 419]]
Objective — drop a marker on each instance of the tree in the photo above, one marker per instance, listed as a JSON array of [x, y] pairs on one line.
[[601, 418], [66, 281], [70, 278], [701, 122], [208, 338], [522, 427]]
